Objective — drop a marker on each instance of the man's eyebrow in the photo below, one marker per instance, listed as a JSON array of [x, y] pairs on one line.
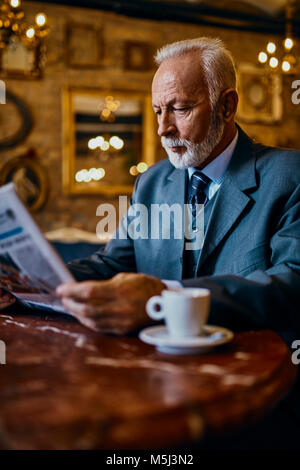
[[169, 103]]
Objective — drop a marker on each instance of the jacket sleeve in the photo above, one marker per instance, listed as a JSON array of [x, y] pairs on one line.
[[117, 256], [263, 299]]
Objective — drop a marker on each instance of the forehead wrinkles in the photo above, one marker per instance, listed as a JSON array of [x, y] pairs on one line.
[[181, 82]]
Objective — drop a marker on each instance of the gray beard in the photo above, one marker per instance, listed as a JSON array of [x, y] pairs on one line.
[[196, 153]]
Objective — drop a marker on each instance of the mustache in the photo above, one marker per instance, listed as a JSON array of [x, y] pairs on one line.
[[174, 142]]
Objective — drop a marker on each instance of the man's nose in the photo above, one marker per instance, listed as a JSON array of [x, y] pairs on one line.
[[165, 126]]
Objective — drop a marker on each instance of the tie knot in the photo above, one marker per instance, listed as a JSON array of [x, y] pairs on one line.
[[199, 181]]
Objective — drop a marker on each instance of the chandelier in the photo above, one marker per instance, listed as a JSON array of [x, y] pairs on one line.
[[13, 25], [275, 57]]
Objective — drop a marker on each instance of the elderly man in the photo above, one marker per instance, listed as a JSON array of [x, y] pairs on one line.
[[250, 258]]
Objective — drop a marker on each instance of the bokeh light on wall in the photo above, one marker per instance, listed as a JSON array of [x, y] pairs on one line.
[[116, 142], [93, 174], [139, 168], [99, 142], [108, 112], [40, 19]]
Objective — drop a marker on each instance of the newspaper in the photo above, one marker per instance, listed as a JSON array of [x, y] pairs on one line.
[[30, 268]]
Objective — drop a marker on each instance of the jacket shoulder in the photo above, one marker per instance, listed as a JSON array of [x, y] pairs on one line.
[[163, 166], [159, 170], [278, 161]]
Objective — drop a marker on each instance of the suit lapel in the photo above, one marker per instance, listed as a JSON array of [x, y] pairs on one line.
[[231, 199]]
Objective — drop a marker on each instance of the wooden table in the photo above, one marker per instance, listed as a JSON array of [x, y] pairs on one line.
[[65, 387]]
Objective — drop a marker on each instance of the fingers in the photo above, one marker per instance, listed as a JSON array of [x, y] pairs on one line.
[[6, 299], [91, 310], [86, 290], [108, 318], [77, 308]]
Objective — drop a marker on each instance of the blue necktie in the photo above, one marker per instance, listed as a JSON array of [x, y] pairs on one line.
[[199, 182]]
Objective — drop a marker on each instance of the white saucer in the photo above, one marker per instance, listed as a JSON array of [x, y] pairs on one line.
[[159, 337]]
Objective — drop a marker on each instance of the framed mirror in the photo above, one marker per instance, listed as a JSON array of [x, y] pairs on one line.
[[20, 61], [109, 138]]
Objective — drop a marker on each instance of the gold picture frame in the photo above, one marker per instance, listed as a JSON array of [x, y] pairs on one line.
[[260, 95], [112, 185], [84, 45], [138, 56]]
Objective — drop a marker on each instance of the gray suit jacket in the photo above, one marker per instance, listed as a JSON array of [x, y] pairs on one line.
[[251, 254]]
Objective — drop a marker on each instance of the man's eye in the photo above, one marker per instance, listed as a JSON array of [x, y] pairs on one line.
[[181, 110]]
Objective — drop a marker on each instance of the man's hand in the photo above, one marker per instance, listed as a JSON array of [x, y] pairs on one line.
[[6, 299], [113, 306]]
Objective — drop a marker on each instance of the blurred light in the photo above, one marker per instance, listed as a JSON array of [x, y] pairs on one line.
[[78, 177], [116, 142], [133, 170], [104, 146], [93, 172], [30, 33], [141, 167], [273, 62], [81, 175], [101, 172], [92, 144], [286, 66], [112, 106], [271, 47], [40, 19], [105, 112], [99, 140], [15, 3], [262, 57], [288, 43], [96, 173], [85, 176]]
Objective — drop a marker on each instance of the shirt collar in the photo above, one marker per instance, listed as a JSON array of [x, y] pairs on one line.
[[215, 170]]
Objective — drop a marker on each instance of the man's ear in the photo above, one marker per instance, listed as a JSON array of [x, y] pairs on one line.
[[228, 104]]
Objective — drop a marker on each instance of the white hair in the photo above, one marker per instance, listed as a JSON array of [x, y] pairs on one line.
[[215, 59]]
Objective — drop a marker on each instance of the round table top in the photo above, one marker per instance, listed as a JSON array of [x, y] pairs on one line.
[[66, 387]]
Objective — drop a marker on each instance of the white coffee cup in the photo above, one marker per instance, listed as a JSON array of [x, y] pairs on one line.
[[185, 310]]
